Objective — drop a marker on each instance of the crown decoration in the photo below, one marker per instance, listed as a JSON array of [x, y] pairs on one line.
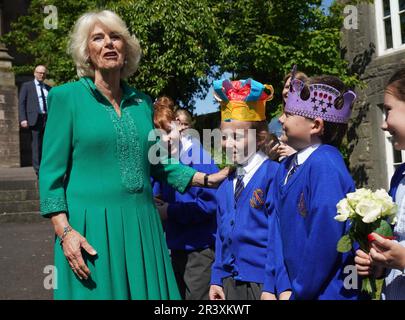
[[243, 100], [321, 102]]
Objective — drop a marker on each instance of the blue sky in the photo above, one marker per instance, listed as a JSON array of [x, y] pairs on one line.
[[207, 105]]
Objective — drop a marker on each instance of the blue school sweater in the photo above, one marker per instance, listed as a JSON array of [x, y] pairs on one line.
[[396, 179], [242, 236], [191, 222], [306, 207]]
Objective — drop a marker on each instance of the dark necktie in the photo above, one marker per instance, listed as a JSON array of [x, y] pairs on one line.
[[294, 168], [239, 187], [43, 98]]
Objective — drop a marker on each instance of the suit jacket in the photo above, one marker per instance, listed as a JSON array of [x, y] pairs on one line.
[[28, 104]]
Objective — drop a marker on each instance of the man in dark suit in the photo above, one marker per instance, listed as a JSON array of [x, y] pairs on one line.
[[33, 111]]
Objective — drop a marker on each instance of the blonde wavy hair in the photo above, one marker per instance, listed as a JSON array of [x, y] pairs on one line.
[[79, 39]]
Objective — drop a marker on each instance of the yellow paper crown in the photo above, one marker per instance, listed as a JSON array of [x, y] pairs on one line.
[[243, 100]]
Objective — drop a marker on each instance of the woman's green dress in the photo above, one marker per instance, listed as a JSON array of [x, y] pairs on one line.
[[95, 168]]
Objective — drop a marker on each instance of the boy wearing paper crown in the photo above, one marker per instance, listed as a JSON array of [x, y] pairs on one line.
[[309, 184], [244, 208]]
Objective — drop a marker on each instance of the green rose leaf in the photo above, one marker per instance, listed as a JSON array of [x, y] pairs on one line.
[[345, 244], [384, 229]]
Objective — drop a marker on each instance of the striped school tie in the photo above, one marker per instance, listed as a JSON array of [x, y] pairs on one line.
[[294, 168], [239, 187]]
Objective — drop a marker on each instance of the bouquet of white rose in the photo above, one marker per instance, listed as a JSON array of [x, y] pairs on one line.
[[368, 212]]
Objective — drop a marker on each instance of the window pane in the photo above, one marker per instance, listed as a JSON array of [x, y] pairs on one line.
[[388, 33], [397, 156], [401, 5], [402, 24], [386, 7]]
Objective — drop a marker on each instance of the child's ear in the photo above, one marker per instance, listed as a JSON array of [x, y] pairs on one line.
[[318, 126]]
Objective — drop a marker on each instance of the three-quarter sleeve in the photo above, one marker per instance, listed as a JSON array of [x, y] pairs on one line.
[[56, 153], [176, 175]]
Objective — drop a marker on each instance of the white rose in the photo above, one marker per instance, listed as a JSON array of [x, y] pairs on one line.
[[355, 197], [389, 208], [383, 195], [341, 217], [344, 210], [369, 209]]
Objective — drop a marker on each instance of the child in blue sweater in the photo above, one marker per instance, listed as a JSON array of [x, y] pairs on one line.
[[309, 184], [243, 213], [189, 218]]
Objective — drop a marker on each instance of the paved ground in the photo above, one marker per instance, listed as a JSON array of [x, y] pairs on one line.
[[25, 250]]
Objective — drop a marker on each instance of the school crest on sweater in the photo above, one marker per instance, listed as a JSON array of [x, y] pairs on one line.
[[301, 206], [257, 199]]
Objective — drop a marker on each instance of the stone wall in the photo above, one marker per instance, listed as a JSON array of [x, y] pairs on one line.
[[9, 129], [11, 10], [366, 139]]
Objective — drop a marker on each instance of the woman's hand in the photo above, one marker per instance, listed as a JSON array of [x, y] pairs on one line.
[[72, 245], [387, 253], [268, 296], [214, 179], [216, 293]]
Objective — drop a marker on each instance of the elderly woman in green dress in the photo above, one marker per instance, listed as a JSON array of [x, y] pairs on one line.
[[95, 173]]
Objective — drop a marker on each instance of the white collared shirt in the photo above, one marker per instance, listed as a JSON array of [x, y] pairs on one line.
[[186, 143], [38, 88], [302, 156], [250, 167]]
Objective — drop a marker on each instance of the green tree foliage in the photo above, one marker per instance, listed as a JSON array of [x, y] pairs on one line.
[[264, 39], [47, 46], [179, 42], [186, 43]]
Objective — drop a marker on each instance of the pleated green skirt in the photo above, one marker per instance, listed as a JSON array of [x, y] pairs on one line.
[[132, 260]]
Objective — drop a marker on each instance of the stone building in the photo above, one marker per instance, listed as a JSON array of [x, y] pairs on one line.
[[376, 49], [18, 186], [15, 149]]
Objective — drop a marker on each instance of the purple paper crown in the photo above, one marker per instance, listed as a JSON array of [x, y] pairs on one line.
[[321, 102]]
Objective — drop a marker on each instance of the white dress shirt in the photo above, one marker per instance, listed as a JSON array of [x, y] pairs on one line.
[[39, 94], [250, 168], [302, 156]]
